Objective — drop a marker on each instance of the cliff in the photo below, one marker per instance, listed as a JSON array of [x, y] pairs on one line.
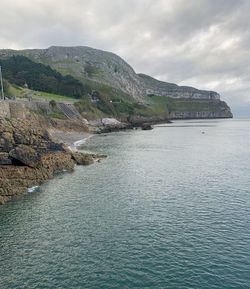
[[161, 88]]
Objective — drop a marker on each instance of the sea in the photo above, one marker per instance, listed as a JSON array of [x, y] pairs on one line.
[[168, 208]]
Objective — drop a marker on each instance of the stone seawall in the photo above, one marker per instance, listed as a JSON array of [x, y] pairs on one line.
[[21, 109], [4, 109], [13, 109]]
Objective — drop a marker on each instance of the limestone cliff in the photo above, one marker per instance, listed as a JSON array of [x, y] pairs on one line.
[[156, 87]]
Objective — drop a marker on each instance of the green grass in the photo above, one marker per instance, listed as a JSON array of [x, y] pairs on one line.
[[21, 92], [163, 103], [52, 114], [13, 90], [52, 96]]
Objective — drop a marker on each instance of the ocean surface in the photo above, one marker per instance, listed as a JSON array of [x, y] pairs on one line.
[[168, 208]]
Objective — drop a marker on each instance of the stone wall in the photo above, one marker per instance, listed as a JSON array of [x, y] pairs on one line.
[[18, 109], [13, 109], [4, 109], [21, 109]]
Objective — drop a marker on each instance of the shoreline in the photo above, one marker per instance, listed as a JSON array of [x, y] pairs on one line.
[[79, 143], [58, 152], [72, 139], [29, 156]]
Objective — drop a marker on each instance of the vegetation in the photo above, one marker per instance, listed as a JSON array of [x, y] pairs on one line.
[[25, 78], [50, 96], [21, 71], [161, 104]]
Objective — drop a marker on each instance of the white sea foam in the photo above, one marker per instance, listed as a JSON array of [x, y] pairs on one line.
[[80, 142], [32, 189]]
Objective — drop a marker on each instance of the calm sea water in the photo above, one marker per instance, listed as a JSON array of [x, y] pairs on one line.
[[169, 208]]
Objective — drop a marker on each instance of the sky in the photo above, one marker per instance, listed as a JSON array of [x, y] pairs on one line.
[[200, 43]]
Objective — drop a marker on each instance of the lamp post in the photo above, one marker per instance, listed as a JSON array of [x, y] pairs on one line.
[[1, 82]]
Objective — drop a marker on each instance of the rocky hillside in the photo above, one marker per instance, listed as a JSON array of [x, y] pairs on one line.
[[87, 63], [115, 87], [107, 68]]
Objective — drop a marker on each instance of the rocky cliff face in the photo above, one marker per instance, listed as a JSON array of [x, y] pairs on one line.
[[156, 87], [107, 68]]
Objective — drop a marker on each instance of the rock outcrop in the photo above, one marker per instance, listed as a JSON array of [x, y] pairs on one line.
[[146, 126], [82, 159], [28, 157]]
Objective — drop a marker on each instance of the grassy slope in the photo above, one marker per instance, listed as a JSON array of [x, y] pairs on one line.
[[124, 105], [21, 92], [163, 103]]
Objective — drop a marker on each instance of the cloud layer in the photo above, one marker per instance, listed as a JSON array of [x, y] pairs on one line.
[[201, 43]]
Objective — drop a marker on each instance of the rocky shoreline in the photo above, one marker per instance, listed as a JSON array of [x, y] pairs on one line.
[[33, 150], [29, 156]]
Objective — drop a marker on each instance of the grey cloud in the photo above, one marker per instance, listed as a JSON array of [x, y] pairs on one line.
[[202, 43]]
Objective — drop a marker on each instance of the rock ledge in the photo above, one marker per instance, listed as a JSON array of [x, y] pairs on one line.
[[28, 157]]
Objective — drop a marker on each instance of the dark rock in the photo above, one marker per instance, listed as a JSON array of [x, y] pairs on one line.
[[56, 146], [26, 155], [146, 126], [5, 159], [6, 141]]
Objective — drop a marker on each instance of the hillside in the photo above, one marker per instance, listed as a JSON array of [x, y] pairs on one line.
[[112, 85], [20, 70], [87, 64]]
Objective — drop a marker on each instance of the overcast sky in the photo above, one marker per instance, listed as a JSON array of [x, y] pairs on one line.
[[201, 43]]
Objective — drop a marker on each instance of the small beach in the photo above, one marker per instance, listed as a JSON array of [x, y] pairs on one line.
[[72, 139]]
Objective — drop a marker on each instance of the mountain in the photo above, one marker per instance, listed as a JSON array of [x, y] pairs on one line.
[[86, 63], [100, 69]]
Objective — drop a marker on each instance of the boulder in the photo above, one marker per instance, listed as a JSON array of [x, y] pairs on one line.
[[110, 122], [82, 158], [26, 155], [146, 126], [6, 141]]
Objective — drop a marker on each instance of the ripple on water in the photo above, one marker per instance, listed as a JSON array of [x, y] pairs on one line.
[[168, 208]]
